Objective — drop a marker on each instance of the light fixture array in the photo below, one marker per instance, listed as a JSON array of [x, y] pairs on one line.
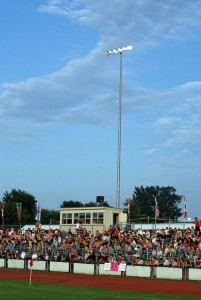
[[118, 50]]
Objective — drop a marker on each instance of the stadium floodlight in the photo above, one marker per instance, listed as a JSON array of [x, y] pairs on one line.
[[110, 52], [118, 50]]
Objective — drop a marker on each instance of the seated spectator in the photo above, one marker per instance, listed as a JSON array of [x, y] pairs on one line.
[[147, 234], [140, 261], [51, 256], [79, 259], [40, 256], [34, 256], [46, 257], [166, 262], [134, 261], [182, 251], [159, 252], [188, 263], [198, 263], [149, 262], [167, 251], [23, 255], [174, 263], [154, 251]]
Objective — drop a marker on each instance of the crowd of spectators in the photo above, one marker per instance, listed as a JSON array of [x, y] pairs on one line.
[[166, 246]]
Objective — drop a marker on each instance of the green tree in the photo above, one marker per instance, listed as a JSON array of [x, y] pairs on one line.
[[143, 203], [28, 207], [50, 216], [71, 203], [94, 204]]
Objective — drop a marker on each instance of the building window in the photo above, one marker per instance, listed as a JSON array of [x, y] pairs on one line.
[[88, 218], [66, 219], [98, 218], [76, 218], [83, 218]]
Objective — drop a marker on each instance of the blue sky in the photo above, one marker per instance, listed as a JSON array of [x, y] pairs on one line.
[[59, 98]]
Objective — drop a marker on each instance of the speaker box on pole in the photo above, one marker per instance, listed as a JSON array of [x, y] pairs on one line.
[[100, 199]]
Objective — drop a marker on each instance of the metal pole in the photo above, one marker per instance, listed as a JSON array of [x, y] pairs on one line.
[[20, 215], [119, 137], [110, 52]]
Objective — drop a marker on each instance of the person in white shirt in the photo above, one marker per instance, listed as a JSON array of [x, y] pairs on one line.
[[34, 256], [77, 226], [166, 262], [23, 255]]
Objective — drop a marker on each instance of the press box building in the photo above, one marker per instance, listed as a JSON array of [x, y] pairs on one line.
[[91, 218]]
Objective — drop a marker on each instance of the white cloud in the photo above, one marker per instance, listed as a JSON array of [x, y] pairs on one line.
[[165, 122], [83, 92], [146, 20], [151, 150]]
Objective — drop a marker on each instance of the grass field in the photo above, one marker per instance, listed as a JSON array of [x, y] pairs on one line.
[[21, 290]]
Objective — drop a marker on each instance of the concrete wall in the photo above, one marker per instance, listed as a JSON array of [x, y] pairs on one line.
[[84, 268], [57, 266], [195, 274], [79, 268], [16, 264], [38, 265], [169, 273], [138, 271], [103, 272], [2, 262]]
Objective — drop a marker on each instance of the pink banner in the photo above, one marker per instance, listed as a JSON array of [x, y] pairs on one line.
[[114, 267]]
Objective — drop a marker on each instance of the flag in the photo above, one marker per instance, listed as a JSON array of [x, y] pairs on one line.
[[114, 267], [128, 201], [2, 211], [19, 211], [185, 207], [31, 263], [156, 209], [38, 214]]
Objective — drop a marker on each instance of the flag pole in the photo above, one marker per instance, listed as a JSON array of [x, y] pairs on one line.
[[128, 200], [30, 277], [185, 211], [2, 214], [20, 215], [19, 212], [156, 210]]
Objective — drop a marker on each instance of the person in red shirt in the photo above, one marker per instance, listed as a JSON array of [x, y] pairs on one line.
[[197, 226]]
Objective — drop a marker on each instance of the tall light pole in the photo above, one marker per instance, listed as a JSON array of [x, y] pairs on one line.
[[110, 52]]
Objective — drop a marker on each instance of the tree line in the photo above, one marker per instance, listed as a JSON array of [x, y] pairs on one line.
[[142, 206]]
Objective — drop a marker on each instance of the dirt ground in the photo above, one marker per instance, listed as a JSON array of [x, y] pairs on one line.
[[107, 282]]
